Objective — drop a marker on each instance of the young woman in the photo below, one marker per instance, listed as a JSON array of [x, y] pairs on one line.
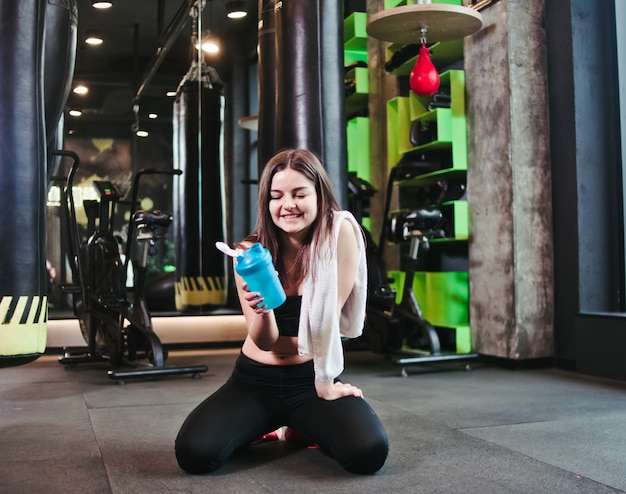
[[286, 372]]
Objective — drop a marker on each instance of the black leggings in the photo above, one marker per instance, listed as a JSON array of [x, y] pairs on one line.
[[258, 399]]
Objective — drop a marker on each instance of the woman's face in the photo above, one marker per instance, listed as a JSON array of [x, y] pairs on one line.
[[293, 201]]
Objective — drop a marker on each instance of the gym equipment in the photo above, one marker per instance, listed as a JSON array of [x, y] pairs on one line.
[[309, 92], [266, 50], [23, 284], [400, 327], [199, 207], [424, 78], [114, 318], [60, 41]]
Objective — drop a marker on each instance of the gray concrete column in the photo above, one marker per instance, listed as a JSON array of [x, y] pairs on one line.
[[382, 87], [509, 183]]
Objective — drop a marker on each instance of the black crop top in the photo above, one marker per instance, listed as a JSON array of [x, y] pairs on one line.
[[288, 316]]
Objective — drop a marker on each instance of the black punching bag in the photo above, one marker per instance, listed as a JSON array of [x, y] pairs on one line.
[[266, 52], [198, 198], [310, 107], [60, 59], [23, 284]]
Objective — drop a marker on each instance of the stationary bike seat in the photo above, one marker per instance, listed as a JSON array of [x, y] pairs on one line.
[[157, 217], [402, 225], [423, 214]]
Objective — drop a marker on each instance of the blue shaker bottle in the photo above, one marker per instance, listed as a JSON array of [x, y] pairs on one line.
[[256, 268]]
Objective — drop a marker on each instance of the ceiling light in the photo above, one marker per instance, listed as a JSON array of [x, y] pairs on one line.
[[236, 10], [93, 37], [80, 89], [170, 94], [210, 43], [152, 116], [142, 133], [75, 113], [210, 46], [99, 4]]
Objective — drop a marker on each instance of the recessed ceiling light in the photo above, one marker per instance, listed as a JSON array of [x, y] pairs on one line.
[[100, 4], [80, 89], [170, 93], [142, 133], [210, 44], [75, 113], [236, 10], [93, 37], [152, 116]]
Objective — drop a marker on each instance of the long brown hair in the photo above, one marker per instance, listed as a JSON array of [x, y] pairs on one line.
[[267, 233]]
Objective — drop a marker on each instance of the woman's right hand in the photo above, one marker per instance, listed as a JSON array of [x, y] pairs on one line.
[[329, 390], [254, 300]]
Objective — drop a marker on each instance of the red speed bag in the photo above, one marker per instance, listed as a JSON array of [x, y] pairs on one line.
[[424, 78]]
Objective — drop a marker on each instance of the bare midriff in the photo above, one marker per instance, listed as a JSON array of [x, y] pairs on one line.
[[284, 352]]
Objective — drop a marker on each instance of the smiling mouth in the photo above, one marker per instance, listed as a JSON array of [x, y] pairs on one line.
[[291, 216]]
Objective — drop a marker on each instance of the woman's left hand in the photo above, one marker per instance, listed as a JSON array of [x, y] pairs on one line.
[[329, 390]]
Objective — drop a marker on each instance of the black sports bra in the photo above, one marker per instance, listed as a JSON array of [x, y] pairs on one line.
[[288, 316]]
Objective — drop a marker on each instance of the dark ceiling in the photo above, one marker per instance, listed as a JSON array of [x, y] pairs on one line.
[[134, 31]]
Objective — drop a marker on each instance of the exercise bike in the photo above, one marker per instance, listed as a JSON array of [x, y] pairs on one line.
[[400, 328], [113, 317], [421, 340]]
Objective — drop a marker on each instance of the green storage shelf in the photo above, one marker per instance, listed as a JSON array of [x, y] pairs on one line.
[[354, 32], [355, 41], [358, 146], [444, 300], [452, 82], [438, 122], [358, 150], [457, 339], [443, 295], [457, 213], [355, 38], [398, 127], [359, 100], [450, 122], [432, 177]]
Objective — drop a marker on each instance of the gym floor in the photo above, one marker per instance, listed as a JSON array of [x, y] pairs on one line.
[[451, 430]]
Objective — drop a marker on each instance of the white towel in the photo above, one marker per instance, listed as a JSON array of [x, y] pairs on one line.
[[319, 331]]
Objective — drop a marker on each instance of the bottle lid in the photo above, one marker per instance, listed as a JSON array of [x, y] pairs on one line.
[[253, 260]]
